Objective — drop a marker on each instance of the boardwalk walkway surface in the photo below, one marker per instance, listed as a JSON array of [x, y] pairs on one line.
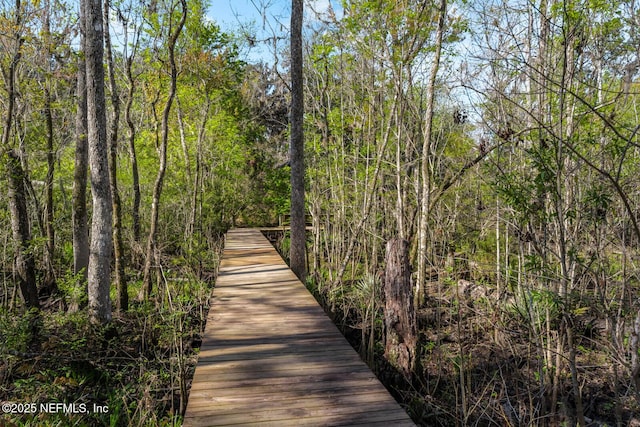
[[271, 356]]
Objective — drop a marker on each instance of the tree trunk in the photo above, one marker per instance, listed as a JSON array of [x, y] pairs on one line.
[[183, 142], [25, 264], [122, 301], [634, 346], [99, 269], [157, 189], [49, 282], [427, 147], [298, 252], [401, 334], [79, 214], [197, 177], [135, 214]]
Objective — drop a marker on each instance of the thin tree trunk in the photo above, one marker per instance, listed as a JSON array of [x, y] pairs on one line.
[[634, 346], [427, 147], [49, 281], [48, 207], [400, 189], [122, 301], [183, 142], [193, 214], [157, 189], [79, 215], [135, 212]]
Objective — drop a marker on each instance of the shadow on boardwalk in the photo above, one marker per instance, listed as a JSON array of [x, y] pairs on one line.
[[270, 355]]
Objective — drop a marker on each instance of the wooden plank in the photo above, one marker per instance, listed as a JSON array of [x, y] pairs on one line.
[[281, 392], [282, 410], [271, 356], [349, 380], [226, 404], [298, 418]]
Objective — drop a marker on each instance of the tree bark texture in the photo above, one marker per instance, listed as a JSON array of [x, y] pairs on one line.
[[298, 254], [401, 334], [25, 264], [99, 270], [79, 215]]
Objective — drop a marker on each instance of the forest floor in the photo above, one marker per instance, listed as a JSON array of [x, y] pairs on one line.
[[58, 369], [479, 366]]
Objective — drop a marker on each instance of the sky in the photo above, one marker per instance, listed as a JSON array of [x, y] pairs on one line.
[[262, 18], [230, 14]]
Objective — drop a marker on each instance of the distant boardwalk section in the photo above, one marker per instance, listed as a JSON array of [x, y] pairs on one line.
[[271, 357]]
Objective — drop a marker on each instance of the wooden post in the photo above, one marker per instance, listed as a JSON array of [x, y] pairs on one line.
[[399, 314]]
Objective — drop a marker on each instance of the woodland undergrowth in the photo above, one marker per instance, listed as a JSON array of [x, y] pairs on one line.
[[138, 367], [480, 358], [479, 363]]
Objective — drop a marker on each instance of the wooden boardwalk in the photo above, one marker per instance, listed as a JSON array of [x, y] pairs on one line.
[[271, 357]]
